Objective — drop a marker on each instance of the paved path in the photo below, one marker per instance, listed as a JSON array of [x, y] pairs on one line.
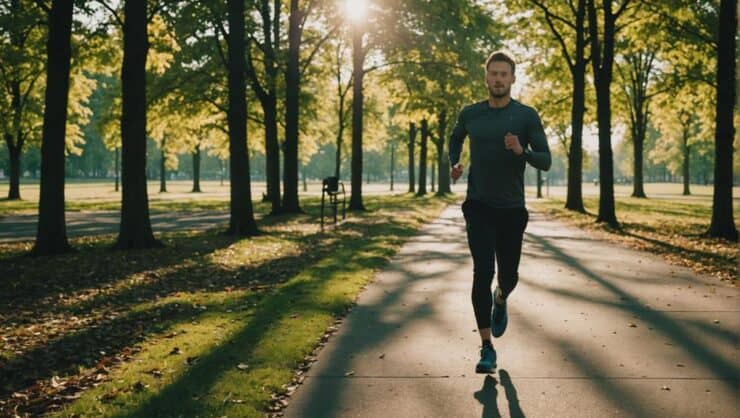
[[594, 330]]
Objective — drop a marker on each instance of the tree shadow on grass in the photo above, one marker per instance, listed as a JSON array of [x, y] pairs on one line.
[[114, 333], [186, 395]]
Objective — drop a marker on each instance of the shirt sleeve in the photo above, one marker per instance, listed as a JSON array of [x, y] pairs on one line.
[[457, 138], [539, 156]]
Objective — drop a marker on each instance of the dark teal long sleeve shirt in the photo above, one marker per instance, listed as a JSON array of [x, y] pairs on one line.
[[496, 175]]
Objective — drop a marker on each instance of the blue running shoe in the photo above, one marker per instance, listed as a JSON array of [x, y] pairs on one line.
[[487, 361], [499, 318]]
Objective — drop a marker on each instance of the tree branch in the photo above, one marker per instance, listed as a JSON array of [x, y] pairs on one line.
[[112, 11]]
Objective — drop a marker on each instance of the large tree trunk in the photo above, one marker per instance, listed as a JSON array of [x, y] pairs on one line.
[[574, 198], [411, 145], [423, 159], [292, 103], [135, 229], [196, 170], [241, 220], [442, 159], [602, 67], [14, 157], [162, 170], [358, 73], [51, 235], [723, 222]]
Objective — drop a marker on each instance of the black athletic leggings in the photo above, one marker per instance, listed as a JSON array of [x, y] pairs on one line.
[[494, 235]]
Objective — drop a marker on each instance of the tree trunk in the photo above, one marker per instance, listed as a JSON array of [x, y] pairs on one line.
[[338, 159], [574, 198], [723, 222], [135, 229], [393, 162], [423, 159], [602, 68], [539, 184], [442, 159], [51, 235], [433, 177], [117, 167], [638, 148], [162, 170], [272, 156], [305, 180], [292, 103], [686, 157], [358, 73], [412, 172], [241, 220], [14, 159], [196, 169]]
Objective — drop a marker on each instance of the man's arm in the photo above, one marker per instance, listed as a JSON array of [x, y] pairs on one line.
[[539, 156], [457, 138]]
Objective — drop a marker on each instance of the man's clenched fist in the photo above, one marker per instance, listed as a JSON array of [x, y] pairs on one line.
[[511, 142], [456, 172]]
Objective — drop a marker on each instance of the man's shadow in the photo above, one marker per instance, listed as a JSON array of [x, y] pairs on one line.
[[488, 393]]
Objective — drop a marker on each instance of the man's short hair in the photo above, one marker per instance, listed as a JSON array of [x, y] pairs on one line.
[[502, 57]]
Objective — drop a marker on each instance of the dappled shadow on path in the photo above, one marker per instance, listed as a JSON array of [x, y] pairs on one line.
[[660, 321]]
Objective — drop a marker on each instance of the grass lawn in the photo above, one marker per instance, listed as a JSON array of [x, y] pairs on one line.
[[667, 224], [94, 195], [210, 325]]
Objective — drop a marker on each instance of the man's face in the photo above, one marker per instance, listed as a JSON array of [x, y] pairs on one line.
[[499, 79]]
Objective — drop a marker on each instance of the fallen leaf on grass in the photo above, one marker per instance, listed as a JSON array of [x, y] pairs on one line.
[[139, 387], [109, 396]]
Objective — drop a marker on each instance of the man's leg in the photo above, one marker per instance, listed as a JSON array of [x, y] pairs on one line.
[[510, 227], [481, 240], [509, 237]]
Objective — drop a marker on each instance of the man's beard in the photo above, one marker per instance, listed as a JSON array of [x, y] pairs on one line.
[[499, 95]]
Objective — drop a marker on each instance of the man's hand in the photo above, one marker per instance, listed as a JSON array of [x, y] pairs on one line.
[[512, 143], [456, 172]]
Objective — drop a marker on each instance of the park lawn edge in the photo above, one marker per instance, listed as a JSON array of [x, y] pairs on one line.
[[282, 332], [684, 250]]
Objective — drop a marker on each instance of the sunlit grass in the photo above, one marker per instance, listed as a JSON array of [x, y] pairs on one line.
[[114, 319], [665, 226]]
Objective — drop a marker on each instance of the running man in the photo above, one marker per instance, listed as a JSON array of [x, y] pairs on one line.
[[504, 136]]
